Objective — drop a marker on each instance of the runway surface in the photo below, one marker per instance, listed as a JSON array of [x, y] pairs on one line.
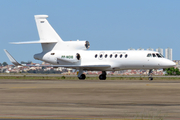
[[89, 99]]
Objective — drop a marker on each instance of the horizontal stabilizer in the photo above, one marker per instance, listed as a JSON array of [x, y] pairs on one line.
[[11, 58], [34, 42]]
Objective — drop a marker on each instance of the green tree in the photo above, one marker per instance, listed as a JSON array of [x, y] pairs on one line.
[[177, 71], [172, 71], [4, 63]]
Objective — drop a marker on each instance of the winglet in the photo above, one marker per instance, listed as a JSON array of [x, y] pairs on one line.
[[11, 58]]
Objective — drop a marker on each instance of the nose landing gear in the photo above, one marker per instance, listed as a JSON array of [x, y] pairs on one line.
[[150, 74]]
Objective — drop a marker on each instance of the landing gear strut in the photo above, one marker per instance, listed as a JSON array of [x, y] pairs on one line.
[[150, 74], [103, 75], [81, 76]]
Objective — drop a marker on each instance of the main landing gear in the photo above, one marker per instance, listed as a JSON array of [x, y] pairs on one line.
[[82, 76], [103, 75], [150, 74]]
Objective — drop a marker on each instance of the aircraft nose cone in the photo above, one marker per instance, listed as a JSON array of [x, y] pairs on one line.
[[173, 63], [170, 63]]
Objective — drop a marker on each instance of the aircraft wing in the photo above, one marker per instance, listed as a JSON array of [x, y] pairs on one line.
[[85, 67], [11, 58]]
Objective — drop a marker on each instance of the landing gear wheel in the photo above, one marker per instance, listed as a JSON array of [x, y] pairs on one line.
[[102, 77], [150, 78], [150, 74], [82, 77]]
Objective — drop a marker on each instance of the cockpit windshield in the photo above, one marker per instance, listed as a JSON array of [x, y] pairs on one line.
[[149, 55], [159, 55], [154, 55]]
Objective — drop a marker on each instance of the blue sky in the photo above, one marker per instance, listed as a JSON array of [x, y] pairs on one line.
[[106, 24]]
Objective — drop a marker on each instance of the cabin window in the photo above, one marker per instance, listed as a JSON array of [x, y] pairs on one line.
[[149, 55], [158, 55], [106, 56], [126, 56], [116, 56], [96, 56], [42, 21], [154, 55], [101, 56], [121, 56], [52, 53], [78, 56], [111, 56]]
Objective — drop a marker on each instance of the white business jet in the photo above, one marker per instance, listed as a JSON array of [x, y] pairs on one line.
[[74, 54]]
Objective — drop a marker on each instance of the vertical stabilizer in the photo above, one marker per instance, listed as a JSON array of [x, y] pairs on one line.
[[45, 30], [47, 33]]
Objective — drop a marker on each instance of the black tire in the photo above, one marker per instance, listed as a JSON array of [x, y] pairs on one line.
[[102, 77], [82, 77], [150, 78]]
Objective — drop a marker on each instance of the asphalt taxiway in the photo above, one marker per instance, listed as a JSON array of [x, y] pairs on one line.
[[89, 99]]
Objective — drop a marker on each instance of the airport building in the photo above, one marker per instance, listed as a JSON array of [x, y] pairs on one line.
[[168, 53], [131, 49], [150, 49], [160, 50], [140, 49]]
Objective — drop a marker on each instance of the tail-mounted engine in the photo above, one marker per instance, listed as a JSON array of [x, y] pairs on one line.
[[76, 45]]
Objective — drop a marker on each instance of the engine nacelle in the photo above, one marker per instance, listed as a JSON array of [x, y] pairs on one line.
[[76, 45]]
